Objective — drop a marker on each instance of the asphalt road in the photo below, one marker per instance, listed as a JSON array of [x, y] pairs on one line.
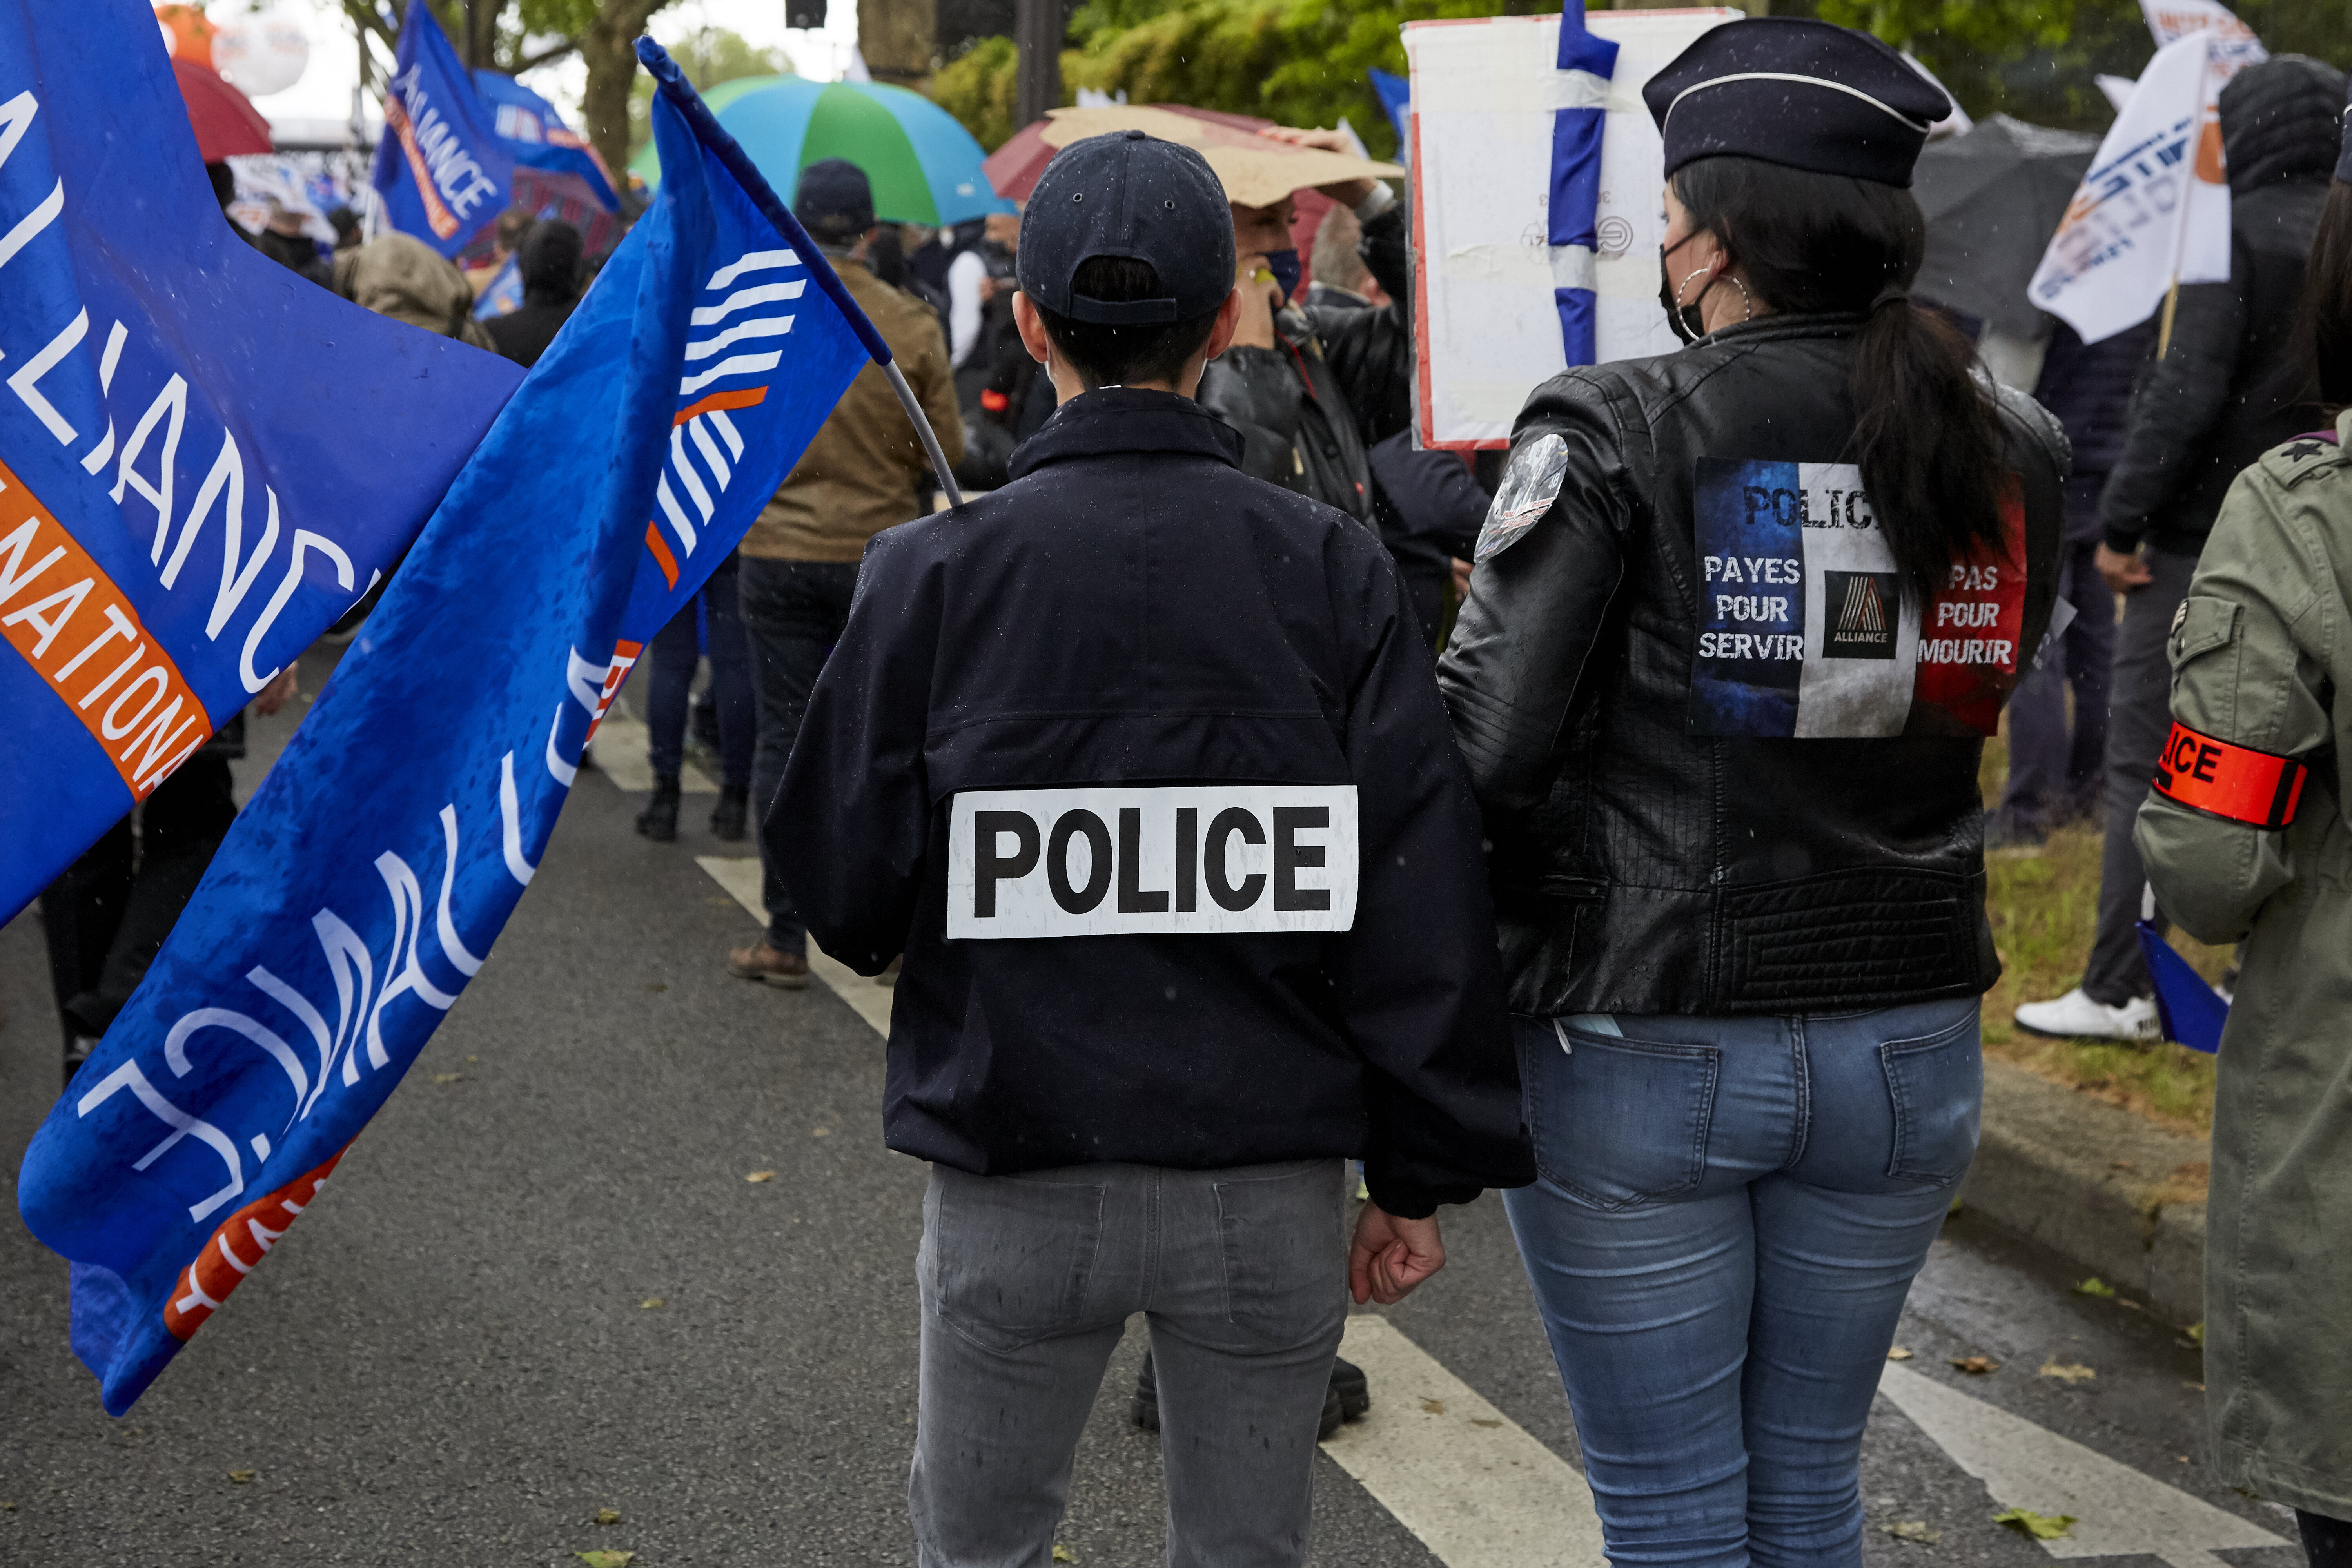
[[540, 1287]]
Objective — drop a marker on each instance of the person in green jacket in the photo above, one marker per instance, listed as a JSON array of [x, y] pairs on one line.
[[2244, 838]]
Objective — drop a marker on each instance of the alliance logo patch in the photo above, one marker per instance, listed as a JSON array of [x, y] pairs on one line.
[[1866, 609]]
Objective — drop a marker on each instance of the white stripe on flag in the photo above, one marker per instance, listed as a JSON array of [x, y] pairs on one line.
[[756, 261], [744, 299], [695, 492], [676, 514], [698, 427], [726, 426], [741, 364], [760, 327]]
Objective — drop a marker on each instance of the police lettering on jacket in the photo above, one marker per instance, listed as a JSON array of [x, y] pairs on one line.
[[1151, 859]]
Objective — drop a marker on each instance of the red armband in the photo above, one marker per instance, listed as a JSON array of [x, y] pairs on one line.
[[2229, 781]]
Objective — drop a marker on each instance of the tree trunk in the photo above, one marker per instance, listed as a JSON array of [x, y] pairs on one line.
[[608, 47], [897, 38], [1037, 73]]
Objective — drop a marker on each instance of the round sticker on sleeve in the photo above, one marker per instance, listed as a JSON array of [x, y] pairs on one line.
[[1530, 484]]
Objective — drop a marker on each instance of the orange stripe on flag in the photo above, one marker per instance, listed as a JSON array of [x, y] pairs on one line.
[[743, 397], [436, 213], [79, 631], [662, 557]]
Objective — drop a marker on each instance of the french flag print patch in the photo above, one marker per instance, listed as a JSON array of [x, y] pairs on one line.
[[1805, 631]]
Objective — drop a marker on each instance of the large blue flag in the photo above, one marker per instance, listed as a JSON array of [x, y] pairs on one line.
[[537, 137], [441, 169], [362, 888], [205, 459]]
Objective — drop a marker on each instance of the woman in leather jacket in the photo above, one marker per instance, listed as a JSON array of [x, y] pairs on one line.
[[1741, 618]]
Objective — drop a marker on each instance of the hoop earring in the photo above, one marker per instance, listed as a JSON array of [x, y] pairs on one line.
[[1695, 272], [1750, 300]]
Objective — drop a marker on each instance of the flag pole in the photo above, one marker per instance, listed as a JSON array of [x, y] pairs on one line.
[[2188, 192], [673, 85]]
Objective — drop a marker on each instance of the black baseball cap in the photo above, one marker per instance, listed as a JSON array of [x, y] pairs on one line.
[[834, 199], [1129, 195]]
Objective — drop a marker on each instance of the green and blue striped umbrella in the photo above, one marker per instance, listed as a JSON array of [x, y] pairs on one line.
[[924, 165]]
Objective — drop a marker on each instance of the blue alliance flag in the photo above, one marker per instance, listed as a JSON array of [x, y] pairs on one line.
[[204, 458], [362, 887], [441, 168]]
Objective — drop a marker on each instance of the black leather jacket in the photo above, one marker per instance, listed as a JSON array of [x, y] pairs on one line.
[[1642, 867], [1338, 379]]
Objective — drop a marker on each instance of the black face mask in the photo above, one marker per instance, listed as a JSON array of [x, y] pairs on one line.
[[1683, 319]]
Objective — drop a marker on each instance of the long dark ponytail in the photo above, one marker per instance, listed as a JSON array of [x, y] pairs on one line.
[[1926, 436], [2324, 332]]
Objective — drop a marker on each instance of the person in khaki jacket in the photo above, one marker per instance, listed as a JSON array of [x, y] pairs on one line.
[[800, 560], [2244, 838]]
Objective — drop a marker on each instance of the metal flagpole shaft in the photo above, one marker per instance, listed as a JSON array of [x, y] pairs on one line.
[[923, 429]]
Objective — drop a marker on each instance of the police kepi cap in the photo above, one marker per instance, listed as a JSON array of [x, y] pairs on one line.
[[1129, 195], [835, 198], [1801, 93]]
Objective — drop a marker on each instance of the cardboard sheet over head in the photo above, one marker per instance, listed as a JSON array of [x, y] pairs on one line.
[[1256, 171], [1487, 98]]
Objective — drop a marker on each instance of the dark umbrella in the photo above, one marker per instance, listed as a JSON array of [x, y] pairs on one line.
[[225, 121], [1992, 199]]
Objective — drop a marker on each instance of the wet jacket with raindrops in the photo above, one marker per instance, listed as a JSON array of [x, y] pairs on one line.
[[1133, 611]]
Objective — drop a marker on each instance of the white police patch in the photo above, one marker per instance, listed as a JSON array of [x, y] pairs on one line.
[[1530, 484], [1176, 859]]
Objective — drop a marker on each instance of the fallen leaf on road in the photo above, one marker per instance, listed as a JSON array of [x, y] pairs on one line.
[[650, 1302], [2039, 1526], [447, 1078], [2195, 1330], [608, 1515], [2094, 1285], [820, 1132], [1476, 1422], [1063, 1553], [241, 1477], [761, 1177], [1957, 1204], [1915, 1531], [2073, 1372], [1898, 1354], [1434, 1406], [1976, 1365], [606, 1558]]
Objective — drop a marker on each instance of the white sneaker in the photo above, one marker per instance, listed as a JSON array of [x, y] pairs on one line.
[[2076, 1016]]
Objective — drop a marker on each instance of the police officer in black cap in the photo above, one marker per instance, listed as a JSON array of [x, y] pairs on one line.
[[1141, 762], [1741, 619]]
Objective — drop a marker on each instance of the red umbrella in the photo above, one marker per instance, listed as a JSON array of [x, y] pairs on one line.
[[1015, 169], [225, 121]]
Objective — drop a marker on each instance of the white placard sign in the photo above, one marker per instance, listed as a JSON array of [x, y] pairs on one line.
[[1174, 860], [1483, 95]]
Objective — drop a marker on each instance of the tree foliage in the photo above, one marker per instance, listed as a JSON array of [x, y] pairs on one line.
[[1299, 62], [707, 56]]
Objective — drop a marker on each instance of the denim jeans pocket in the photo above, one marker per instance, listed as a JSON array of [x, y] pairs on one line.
[[1012, 1257], [1936, 1085], [1278, 1245], [1617, 1122]]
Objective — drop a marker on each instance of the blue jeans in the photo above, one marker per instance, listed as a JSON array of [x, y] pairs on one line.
[[1730, 1213], [676, 648], [793, 612]]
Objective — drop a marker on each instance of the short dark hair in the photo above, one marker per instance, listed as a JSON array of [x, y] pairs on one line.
[[1111, 355]]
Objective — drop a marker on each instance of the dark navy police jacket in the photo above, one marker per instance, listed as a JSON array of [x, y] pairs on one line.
[[1142, 765]]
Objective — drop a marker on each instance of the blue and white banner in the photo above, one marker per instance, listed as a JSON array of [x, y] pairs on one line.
[[537, 138], [362, 888], [204, 458], [441, 168]]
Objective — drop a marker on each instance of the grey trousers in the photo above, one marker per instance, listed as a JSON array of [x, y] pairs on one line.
[[2139, 715], [1026, 1285]]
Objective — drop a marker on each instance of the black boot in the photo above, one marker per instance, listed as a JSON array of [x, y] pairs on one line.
[[1345, 1398], [727, 817], [659, 821]]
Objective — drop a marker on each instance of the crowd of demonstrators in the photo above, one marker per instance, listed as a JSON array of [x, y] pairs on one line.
[[1704, 924], [2262, 699], [550, 262], [1150, 1110], [2230, 385], [863, 473]]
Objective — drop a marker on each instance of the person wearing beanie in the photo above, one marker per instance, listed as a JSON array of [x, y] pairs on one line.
[[549, 263], [863, 472], [2230, 385], [1741, 619]]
